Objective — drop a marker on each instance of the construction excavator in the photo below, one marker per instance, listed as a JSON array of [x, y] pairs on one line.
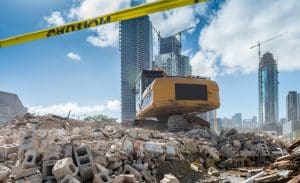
[[172, 100]]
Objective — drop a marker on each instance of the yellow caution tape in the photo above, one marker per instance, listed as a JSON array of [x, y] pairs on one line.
[[126, 14]]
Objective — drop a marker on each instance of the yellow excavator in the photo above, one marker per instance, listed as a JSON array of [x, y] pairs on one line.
[[174, 101]]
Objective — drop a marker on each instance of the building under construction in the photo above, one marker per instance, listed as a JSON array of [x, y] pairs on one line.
[[268, 89]]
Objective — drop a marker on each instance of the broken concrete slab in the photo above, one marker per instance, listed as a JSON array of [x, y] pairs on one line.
[[63, 167], [31, 158], [130, 170], [7, 149], [69, 179], [168, 178], [4, 173], [47, 170], [125, 178]]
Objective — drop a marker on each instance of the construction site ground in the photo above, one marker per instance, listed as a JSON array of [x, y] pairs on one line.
[[54, 149]]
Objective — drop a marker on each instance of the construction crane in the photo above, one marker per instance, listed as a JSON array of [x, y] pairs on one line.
[[158, 37], [260, 43], [180, 35]]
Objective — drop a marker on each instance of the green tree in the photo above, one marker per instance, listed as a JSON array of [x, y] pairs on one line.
[[100, 117]]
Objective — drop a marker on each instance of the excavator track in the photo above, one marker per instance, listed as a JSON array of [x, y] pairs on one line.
[[174, 123], [177, 123]]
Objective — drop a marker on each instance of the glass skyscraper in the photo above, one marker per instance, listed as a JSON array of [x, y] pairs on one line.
[[170, 58], [268, 89], [136, 55], [167, 62], [184, 67], [298, 106], [170, 45], [292, 106]]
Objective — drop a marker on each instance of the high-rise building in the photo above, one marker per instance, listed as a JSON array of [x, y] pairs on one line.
[[268, 89], [170, 58], [136, 55], [227, 123], [170, 45], [298, 106], [218, 125], [254, 119], [292, 126], [292, 106], [167, 62], [10, 107], [237, 120], [184, 67], [209, 116], [282, 120], [247, 124], [287, 129], [255, 122]]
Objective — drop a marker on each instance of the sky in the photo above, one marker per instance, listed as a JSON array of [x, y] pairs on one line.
[[81, 70]]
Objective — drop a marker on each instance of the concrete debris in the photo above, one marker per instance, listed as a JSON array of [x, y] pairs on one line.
[[295, 179], [4, 173], [213, 171], [54, 149], [169, 178], [64, 167], [253, 178]]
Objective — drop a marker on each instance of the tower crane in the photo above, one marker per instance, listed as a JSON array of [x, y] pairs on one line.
[[158, 36], [180, 35], [265, 41]]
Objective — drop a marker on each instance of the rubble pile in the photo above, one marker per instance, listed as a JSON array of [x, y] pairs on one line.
[[54, 149], [249, 149]]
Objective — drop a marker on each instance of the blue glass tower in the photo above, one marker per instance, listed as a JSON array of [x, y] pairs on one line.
[[136, 55], [268, 89]]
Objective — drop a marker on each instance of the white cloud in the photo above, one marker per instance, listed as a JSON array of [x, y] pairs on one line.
[[110, 108], [203, 64], [114, 105], [74, 56], [55, 19], [92, 8], [173, 21], [106, 35], [239, 25]]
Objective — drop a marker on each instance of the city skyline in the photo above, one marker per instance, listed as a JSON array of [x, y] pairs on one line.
[[82, 70]]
